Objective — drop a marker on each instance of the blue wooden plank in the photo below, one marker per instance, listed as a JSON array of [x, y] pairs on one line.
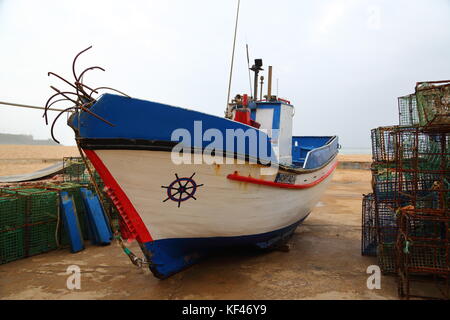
[[70, 219], [107, 221], [99, 225], [93, 236]]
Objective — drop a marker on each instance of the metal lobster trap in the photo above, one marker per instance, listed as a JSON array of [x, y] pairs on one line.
[[433, 103], [423, 251], [408, 113]]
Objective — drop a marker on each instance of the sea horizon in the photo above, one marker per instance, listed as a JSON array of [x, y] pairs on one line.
[[355, 151]]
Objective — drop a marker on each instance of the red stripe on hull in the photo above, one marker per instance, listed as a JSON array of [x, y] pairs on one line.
[[123, 204], [237, 177]]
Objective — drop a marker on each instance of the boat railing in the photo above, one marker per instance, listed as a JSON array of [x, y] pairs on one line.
[[317, 157]]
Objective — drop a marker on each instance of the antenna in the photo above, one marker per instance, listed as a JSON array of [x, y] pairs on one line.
[[228, 112], [261, 89], [256, 68], [277, 88]]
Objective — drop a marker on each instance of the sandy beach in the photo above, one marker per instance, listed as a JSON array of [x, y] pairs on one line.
[[333, 231], [324, 262], [19, 159]]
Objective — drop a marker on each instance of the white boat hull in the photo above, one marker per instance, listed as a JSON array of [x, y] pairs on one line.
[[224, 208]]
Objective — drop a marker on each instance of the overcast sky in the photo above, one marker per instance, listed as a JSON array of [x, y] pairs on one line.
[[342, 63]]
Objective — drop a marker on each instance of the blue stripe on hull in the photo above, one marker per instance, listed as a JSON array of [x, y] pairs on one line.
[[169, 256], [146, 120]]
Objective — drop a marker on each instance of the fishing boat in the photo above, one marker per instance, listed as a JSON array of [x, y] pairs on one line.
[[186, 183], [219, 196]]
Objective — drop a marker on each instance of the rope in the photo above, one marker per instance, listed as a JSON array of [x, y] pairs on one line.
[[26, 106], [139, 262], [94, 183], [58, 244], [406, 248]]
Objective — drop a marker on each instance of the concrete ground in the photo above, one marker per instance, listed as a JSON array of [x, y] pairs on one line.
[[324, 262]]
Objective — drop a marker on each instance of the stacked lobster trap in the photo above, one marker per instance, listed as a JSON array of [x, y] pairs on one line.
[[408, 218], [28, 222]]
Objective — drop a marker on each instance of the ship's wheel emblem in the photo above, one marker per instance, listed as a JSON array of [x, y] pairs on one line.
[[181, 189]]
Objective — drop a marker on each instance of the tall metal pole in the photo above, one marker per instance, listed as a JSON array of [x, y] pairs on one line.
[[261, 89], [228, 111], [255, 86]]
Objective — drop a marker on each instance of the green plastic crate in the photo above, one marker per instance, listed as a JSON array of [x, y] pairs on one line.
[[41, 238], [75, 171], [12, 211], [11, 245], [42, 205]]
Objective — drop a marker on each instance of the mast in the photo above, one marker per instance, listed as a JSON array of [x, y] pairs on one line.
[[228, 110]]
